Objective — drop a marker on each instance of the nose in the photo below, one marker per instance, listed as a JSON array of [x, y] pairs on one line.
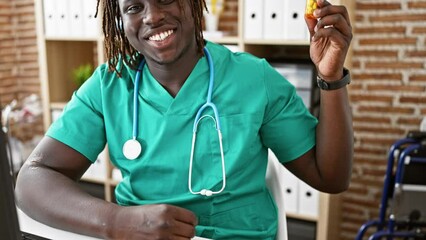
[[153, 14]]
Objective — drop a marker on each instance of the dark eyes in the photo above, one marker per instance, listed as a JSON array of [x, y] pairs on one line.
[[165, 2], [134, 9]]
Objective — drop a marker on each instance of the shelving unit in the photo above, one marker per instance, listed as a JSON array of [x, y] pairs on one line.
[[57, 58]]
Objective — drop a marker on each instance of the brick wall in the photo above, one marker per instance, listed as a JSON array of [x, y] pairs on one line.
[[18, 58], [18, 50], [388, 95], [7, 81]]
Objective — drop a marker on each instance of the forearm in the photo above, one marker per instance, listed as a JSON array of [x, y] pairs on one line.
[[334, 141], [56, 200]]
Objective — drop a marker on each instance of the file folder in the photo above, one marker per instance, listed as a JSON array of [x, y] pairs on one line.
[[274, 19], [308, 200], [294, 22], [274, 179], [253, 19], [76, 18], [50, 18], [300, 75], [291, 191], [91, 24], [63, 20]]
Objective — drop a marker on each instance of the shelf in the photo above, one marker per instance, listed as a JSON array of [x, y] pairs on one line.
[[72, 39], [93, 180], [113, 182], [302, 217], [277, 42], [57, 105], [61, 61], [224, 40]]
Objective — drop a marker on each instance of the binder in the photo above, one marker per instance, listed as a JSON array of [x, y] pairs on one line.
[[273, 19], [76, 18], [300, 76], [294, 22], [308, 200], [91, 24], [98, 169], [50, 18], [291, 192], [306, 96], [253, 19], [63, 21], [274, 179]]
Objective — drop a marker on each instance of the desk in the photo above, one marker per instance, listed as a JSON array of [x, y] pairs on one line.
[[30, 225]]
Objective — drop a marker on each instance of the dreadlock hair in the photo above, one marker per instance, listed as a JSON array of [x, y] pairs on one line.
[[118, 48]]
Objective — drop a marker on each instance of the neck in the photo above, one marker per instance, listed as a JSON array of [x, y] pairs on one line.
[[173, 75]]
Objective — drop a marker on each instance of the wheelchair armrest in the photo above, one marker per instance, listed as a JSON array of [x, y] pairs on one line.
[[417, 135], [367, 225]]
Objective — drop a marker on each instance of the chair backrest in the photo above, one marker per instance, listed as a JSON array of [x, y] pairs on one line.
[[410, 185], [274, 180]]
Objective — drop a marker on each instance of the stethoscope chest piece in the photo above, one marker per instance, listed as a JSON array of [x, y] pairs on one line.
[[132, 149]]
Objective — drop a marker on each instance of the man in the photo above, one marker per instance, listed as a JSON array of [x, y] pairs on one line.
[[176, 184]]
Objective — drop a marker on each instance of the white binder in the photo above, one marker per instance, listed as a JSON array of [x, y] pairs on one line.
[[308, 200], [300, 75], [291, 191], [273, 19], [274, 180], [295, 27], [306, 96], [253, 19], [76, 18], [98, 169], [50, 18], [63, 20], [91, 24]]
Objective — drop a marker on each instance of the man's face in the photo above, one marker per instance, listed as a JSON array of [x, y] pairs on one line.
[[158, 29]]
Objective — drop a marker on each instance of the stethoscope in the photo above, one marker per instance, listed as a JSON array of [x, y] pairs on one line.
[[132, 148]]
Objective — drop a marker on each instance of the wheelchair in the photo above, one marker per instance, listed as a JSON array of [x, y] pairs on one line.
[[402, 213]]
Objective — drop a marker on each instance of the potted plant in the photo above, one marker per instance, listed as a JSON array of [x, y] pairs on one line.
[[81, 73]]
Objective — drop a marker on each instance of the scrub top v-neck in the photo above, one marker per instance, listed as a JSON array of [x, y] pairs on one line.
[[258, 109]]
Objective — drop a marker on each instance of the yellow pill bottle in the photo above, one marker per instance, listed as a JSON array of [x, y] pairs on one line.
[[311, 5]]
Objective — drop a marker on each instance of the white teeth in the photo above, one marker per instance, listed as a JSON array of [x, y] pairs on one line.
[[161, 36]]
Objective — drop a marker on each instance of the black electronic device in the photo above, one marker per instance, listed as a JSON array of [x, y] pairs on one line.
[[9, 223]]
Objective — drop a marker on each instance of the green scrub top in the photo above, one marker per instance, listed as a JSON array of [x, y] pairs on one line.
[[258, 109]]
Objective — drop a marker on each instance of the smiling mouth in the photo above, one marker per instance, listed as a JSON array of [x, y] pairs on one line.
[[161, 36]]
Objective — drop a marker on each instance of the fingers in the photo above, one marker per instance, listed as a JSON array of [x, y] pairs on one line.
[[185, 230], [185, 216], [331, 21], [184, 222], [325, 8]]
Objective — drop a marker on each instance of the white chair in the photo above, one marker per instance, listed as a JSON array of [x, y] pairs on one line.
[[274, 180]]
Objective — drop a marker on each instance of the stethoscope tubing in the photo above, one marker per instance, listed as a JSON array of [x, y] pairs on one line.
[[198, 117], [135, 100]]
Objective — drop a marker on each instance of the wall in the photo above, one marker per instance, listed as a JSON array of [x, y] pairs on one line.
[[18, 58], [388, 95], [18, 50], [388, 91], [7, 83]]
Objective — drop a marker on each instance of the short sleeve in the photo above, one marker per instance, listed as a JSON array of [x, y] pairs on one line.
[[288, 128], [81, 125]]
